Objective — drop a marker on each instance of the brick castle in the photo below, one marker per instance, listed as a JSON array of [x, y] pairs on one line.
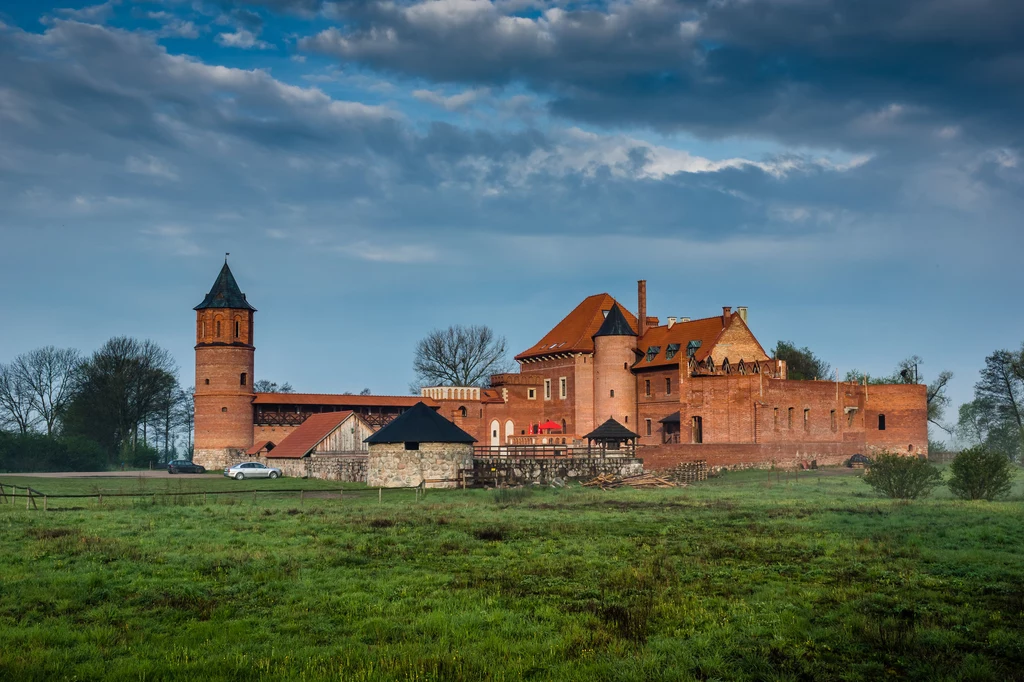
[[691, 389]]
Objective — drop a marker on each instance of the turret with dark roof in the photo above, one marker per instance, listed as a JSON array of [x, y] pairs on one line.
[[225, 293], [615, 324]]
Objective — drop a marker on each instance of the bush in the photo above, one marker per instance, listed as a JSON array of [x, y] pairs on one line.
[[902, 477], [980, 474], [33, 452]]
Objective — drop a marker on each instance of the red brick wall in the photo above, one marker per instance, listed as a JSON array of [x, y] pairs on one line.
[[224, 414], [613, 355], [737, 343]]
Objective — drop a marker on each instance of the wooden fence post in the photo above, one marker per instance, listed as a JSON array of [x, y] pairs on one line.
[[302, 497], [44, 502], [28, 497], [3, 492], [380, 496]]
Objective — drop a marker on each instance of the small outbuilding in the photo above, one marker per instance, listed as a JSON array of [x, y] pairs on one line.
[[419, 447], [321, 444], [612, 436]]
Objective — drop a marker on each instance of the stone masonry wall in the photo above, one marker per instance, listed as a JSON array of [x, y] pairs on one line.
[[390, 465], [348, 468], [527, 470]]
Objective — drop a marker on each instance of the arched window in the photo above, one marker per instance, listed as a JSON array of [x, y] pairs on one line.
[[218, 328], [463, 411], [563, 426]]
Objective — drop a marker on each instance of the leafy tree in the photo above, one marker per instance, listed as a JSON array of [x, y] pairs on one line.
[[995, 417], [979, 473], [121, 386], [801, 363], [900, 477], [265, 386], [459, 356]]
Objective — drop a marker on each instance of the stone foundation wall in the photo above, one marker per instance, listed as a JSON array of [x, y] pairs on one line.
[[390, 465], [528, 470], [348, 468], [216, 459]]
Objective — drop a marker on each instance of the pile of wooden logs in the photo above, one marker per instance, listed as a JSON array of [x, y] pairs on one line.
[[610, 482]]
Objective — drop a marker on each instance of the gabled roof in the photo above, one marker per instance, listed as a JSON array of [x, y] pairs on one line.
[[615, 324], [575, 333], [346, 400], [309, 433], [225, 293], [258, 448], [611, 430], [705, 330], [420, 424]]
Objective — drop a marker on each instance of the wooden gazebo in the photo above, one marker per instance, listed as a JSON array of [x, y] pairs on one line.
[[611, 436]]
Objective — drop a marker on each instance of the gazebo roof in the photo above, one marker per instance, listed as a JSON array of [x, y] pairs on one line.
[[420, 424], [611, 430]]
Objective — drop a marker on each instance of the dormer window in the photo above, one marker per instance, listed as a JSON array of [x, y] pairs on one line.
[[652, 352], [691, 348], [671, 351]]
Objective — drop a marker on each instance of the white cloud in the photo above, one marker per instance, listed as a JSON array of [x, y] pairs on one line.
[[243, 39], [91, 14], [456, 102], [150, 165]]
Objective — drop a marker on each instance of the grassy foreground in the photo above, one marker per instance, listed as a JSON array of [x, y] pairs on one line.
[[817, 579]]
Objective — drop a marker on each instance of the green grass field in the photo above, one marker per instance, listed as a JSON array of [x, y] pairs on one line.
[[817, 579]]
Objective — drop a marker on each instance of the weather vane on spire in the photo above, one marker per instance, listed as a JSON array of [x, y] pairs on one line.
[[226, 254]]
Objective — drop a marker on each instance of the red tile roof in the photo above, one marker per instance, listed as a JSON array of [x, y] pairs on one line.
[[335, 399], [308, 435], [575, 333], [706, 330], [256, 449]]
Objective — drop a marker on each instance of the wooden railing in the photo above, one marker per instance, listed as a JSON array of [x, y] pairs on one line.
[[551, 451]]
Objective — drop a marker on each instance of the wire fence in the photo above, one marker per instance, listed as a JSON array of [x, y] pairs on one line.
[[35, 499]]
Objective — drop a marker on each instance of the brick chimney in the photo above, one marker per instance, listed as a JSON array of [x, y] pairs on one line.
[[641, 305], [726, 314], [742, 311]]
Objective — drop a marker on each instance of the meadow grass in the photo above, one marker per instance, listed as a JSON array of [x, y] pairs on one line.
[[733, 579]]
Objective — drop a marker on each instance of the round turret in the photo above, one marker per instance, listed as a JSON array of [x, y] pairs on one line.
[[614, 383]]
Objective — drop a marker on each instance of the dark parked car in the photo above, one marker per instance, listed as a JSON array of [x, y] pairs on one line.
[[183, 466]]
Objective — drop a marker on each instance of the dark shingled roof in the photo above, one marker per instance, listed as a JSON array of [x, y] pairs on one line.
[[671, 419], [225, 293], [615, 324], [611, 430], [420, 424]]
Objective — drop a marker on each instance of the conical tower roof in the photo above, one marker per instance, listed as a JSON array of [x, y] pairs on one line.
[[225, 293], [420, 424], [615, 324]]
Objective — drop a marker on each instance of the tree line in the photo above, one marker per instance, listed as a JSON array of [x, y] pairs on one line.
[[121, 405]]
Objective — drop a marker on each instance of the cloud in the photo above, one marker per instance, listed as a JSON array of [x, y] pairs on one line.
[[456, 102], [243, 39], [150, 165], [95, 14], [858, 73], [174, 240]]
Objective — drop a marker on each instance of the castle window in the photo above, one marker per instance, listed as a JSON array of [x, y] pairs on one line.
[[547, 389], [412, 446], [203, 327], [627, 419], [563, 387], [647, 423], [238, 328], [832, 419], [668, 385], [647, 387], [223, 409], [807, 419], [776, 416], [697, 429], [652, 352], [671, 351], [563, 428], [625, 365], [207, 382], [242, 379], [611, 393], [531, 394], [463, 411], [881, 422], [789, 418], [218, 327]]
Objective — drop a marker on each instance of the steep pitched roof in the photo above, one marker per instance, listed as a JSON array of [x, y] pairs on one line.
[[575, 333], [615, 324], [611, 430], [342, 400], [706, 330], [420, 424], [225, 293], [309, 433]]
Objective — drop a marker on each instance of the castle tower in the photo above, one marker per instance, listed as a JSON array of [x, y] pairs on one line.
[[224, 373], [614, 383]]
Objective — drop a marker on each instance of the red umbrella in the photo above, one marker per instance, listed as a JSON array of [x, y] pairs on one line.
[[548, 425]]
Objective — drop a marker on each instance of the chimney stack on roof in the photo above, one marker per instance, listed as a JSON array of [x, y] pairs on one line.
[[726, 313], [684, 319], [741, 310], [641, 304], [671, 322]]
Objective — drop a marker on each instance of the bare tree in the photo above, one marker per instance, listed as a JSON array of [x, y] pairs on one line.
[[266, 386], [50, 374], [16, 409], [459, 356]]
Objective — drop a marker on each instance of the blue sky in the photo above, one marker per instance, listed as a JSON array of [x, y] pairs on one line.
[[848, 169]]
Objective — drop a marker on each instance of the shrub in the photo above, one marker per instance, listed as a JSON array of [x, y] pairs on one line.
[[902, 477], [980, 474]]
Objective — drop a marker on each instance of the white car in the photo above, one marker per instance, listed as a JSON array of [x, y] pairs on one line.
[[251, 470]]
